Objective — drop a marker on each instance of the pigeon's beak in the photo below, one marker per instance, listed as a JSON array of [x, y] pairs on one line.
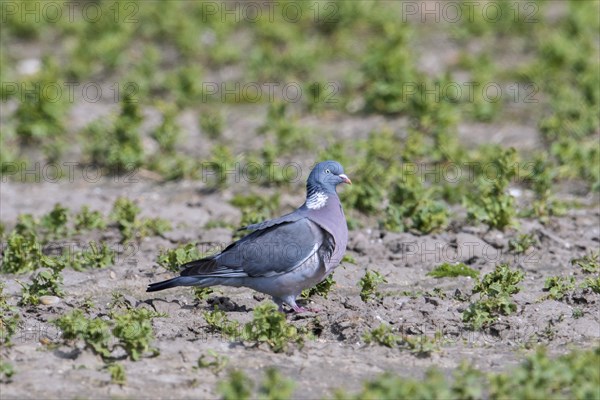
[[345, 179]]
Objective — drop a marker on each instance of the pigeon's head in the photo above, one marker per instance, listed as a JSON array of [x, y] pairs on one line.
[[325, 176]]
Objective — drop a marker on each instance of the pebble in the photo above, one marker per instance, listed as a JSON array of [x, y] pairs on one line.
[[48, 300], [112, 275]]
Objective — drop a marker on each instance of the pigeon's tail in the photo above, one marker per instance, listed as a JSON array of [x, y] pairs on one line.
[[174, 282]]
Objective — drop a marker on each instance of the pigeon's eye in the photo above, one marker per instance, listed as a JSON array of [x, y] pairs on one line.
[[327, 171]]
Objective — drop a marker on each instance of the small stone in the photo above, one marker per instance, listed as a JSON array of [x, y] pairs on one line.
[[48, 300], [112, 275]]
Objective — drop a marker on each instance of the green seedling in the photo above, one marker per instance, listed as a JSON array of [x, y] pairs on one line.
[[275, 386], [217, 167], [267, 326], [348, 258], [495, 290], [87, 220], [213, 361], [383, 335], [134, 331], [420, 345], [369, 284], [22, 254], [130, 330], [47, 282], [94, 332], [270, 326], [40, 113], [593, 283], [117, 144], [6, 370], [9, 319], [490, 202], [575, 375], [125, 214], [97, 256], [237, 386], [255, 209], [288, 135], [589, 263], [321, 289], [558, 286], [55, 222], [117, 372], [167, 134], [211, 124], [172, 259], [217, 320], [522, 243], [202, 293], [447, 270]]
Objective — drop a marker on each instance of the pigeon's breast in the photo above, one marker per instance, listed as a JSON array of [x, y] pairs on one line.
[[332, 219]]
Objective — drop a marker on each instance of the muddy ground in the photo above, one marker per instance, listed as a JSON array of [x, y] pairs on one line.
[[338, 357]]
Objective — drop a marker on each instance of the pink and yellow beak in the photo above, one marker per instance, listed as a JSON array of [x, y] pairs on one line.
[[345, 179]]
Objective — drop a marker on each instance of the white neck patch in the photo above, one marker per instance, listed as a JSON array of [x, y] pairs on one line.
[[316, 200]]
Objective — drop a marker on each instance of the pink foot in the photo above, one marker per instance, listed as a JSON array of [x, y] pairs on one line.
[[299, 310]]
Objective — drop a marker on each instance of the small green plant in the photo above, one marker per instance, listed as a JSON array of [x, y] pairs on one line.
[[237, 386], [168, 132], [490, 202], [130, 330], [87, 220], [593, 283], [216, 170], [46, 282], [55, 222], [134, 331], [218, 321], [94, 332], [6, 370], [98, 255], [420, 345], [275, 386], [213, 361], [212, 124], [382, 335], [453, 270], [22, 253], [558, 286], [575, 375], [288, 134], [588, 263], [270, 326], [522, 243], [495, 290], [125, 215], [117, 373], [321, 289], [117, 145], [9, 319], [172, 259], [369, 284]]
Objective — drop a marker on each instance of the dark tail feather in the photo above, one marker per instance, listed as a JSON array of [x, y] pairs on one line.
[[174, 282]]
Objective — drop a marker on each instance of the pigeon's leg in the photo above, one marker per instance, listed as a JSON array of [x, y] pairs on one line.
[[291, 301], [279, 303]]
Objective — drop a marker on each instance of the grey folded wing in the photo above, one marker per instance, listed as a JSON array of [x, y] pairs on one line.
[[271, 251]]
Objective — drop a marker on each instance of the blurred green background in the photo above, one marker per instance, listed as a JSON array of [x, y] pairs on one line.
[[172, 87]]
